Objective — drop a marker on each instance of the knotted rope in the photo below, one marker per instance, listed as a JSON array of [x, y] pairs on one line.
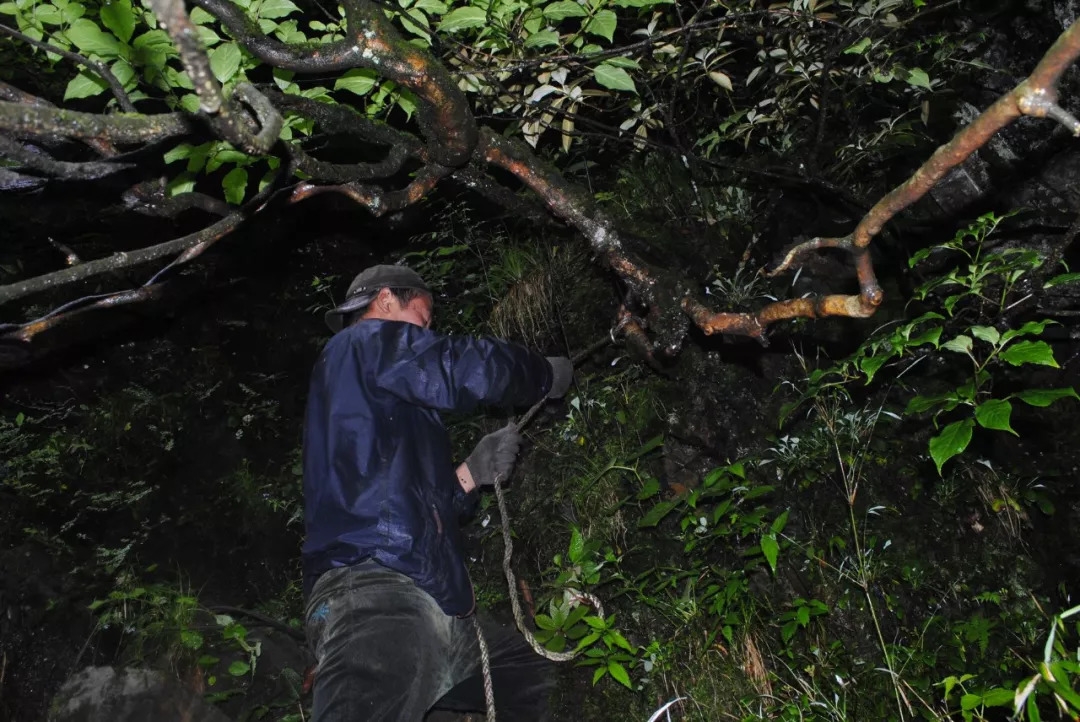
[[511, 582]]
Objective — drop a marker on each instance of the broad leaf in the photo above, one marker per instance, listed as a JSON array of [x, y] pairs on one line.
[[960, 344], [858, 49], [952, 440], [1062, 279], [235, 185], [615, 78], [84, 85], [577, 546], [1029, 352], [919, 78], [995, 414], [603, 24], [1045, 397], [89, 38], [542, 39], [617, 671], [118, 17], [463, 18], [657, 513], [770, 548], [277, 8], [558, 11], [986, 333], [239, 669], [225, 61], [721, 79], [359, 81]]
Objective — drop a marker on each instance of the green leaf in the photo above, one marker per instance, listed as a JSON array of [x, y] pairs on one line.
[[639, 3], [858, 48], [802, 616], [780, 522], [1029, 352], [952, 440], [239, 668], [9, 9], [359, 81], [201, 17], [89, 38], [577, 545], [84, 85], [995, 414], [609, 76], [48, 14], [191, 639], [603, 24], [1045, 397], [183, 183], [770, 548], [118, 17], [960, 344], [235, 185], [657, 513], [969, 702], [1031, 328], [918, 78], [620, 641], [617, 671], [225, 61], [986, 333], [463, 19], [542, 39], [600, 672], [999, 697], [277, 8], [559, 11], [1062, 279], [432, 7], [543, 621]]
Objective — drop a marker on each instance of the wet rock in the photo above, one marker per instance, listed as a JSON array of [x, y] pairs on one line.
[[107, 694]]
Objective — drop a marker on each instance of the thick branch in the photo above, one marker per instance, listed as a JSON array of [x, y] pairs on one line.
[[39, 161], [38, 121], [378, 201], [372, 42], [118, 261], [227, 117]]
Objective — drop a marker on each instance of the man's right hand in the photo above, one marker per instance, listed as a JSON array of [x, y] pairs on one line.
[[562, 375]]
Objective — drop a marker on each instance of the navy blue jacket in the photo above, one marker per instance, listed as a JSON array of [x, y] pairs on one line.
[[379, 477]]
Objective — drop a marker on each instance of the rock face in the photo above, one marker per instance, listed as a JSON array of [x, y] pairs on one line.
[[107, 694]]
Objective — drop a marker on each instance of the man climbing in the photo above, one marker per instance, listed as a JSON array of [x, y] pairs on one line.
[[388, 593]]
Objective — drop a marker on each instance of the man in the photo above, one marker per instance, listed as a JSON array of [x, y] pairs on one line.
[[388, 593]]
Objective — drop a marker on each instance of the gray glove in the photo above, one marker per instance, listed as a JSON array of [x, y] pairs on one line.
[[494, 456], [562, 373]]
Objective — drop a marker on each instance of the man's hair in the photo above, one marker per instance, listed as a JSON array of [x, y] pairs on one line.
[[403, 296]]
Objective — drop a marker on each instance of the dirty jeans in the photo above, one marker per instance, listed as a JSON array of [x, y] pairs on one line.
[[386, 651]]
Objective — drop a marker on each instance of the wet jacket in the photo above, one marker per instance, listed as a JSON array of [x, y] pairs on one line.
[[379, 478]]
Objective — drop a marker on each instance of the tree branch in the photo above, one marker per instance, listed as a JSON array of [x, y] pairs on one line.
[[39, 161], [115, 85], [372, 41], [38, 121]]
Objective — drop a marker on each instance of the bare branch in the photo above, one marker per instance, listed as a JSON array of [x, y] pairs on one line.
[[103, 71], [35, 120], [376, 200], [39, 161]]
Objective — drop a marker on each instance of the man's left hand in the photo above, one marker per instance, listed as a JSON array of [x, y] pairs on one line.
[[494, 456]]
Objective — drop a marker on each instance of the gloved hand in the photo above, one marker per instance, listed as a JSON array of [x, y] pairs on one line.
[[562, 373], [494, 456]]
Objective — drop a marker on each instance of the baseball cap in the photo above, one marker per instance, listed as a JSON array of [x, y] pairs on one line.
[[368, 281]]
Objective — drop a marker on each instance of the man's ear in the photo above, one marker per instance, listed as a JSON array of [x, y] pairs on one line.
[[383, 299]]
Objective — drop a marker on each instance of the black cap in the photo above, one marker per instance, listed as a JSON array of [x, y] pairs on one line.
[[371, 280]]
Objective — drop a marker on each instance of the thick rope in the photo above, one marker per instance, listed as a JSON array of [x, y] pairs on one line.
[[485, 666], [511, 582]]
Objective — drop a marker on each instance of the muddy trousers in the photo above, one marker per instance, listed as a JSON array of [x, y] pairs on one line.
[[385, 651]]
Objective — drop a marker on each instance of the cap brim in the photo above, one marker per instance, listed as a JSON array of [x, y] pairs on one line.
[[335, 318]]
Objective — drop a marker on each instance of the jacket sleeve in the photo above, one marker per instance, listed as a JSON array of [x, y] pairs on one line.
[[456, 373]]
